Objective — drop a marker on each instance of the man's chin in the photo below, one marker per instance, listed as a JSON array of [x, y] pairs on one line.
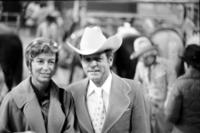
[[94, 77]]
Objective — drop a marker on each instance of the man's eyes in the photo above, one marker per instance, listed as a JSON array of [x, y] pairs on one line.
[[91, 59]]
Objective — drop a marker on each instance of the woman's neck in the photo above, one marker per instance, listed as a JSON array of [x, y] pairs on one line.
[[42, 87]]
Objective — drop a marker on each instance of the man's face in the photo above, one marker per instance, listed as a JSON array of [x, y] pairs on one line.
[[97, 67]]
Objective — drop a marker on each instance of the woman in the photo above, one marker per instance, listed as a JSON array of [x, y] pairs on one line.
[[37, 104], [183, 102]]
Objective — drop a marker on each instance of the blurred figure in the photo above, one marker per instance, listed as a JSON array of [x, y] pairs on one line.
[[49, 28], [37, 104], [182, 106], [31, 12], [194, 39], [11, 60], [170, 46], [122, 64], [3, 86], [69, 68], [153, 73], [127, 29]]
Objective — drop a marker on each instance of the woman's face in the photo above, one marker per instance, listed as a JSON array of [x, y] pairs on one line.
[[42, 68]]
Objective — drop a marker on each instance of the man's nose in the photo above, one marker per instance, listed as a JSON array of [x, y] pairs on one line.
[[93, 63]]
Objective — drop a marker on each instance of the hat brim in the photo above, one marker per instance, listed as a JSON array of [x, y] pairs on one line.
[[113, 43], [143, 51]]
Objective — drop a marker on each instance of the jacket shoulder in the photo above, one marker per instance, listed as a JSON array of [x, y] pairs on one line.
[[76, 86], [134, 85]]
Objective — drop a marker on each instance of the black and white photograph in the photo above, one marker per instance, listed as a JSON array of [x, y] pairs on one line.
[[100, 66]]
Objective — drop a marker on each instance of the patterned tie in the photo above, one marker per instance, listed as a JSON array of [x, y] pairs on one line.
[[99, 114]]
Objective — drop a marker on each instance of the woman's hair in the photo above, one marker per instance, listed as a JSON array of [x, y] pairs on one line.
[[39, 46], [191, 56]]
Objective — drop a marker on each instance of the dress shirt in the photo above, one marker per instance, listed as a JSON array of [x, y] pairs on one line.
[[94, 91]]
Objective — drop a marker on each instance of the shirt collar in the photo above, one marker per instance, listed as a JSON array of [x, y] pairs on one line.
[[92, 88]]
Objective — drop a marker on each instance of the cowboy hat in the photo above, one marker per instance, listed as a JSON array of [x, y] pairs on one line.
[[142, 45], [93, 41]]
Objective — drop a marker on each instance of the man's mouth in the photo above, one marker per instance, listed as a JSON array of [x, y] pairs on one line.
[[93, 71], [45, 74]]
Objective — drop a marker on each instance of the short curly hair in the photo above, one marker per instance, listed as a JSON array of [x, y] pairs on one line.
[[191, 55], [38, 46]]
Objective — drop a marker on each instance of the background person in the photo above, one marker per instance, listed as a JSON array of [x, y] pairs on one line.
[[3, 86], [37, 104], [106, 103], [153, 73], [183, 102], [11, 60], [49, 29]]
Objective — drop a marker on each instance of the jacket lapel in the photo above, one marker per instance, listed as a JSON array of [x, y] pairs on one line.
[[26, 97], [118, 102], [81, 108], [34, 117], [56, 116]]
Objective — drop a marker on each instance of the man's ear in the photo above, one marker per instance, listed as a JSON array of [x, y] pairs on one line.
[[110, 60]]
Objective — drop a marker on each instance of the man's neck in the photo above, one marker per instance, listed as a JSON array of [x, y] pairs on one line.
[[100, 83]]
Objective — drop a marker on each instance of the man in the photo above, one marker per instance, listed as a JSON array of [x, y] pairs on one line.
[[155, 74], [106, 103]]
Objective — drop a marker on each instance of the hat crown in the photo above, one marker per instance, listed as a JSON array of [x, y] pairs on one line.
[[141, 43], [93, 41], [92, 38]]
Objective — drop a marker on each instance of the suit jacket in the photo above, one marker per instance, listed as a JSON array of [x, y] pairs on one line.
[[126, 112], [20, 111]]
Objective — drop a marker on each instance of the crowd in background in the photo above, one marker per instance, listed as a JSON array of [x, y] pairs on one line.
[[164, 44]]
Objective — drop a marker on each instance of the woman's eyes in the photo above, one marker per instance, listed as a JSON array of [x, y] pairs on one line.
[[51, 62], [40, 61], [43, 61]]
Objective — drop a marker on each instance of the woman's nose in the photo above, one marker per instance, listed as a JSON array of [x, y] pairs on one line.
[[45, 65]]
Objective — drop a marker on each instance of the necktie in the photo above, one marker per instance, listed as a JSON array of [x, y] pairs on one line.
[[99, 114]]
